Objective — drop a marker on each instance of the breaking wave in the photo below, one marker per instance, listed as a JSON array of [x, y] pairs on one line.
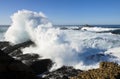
[[80, 49]]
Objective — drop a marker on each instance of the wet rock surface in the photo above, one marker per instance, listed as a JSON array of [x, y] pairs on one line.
[[14, 69], [12, 48], [41, 66], [28, 56], [14, 61], [107, 70], [4, 44], [62, 73], [16, 65]]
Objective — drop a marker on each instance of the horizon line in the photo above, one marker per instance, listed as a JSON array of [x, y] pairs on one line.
[[72, 24]]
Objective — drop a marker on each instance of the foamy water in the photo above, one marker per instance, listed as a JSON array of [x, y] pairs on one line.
[[80, 49]]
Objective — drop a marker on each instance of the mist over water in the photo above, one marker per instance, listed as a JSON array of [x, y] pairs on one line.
[[24, 24], [80, 49]]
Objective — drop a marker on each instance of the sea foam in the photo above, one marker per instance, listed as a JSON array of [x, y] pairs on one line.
[[23, 25], [80, 49]]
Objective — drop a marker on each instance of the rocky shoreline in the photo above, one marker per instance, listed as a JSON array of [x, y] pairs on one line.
[[16, 65]]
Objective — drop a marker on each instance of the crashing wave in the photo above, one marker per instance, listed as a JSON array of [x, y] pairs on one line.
[[80, 49]]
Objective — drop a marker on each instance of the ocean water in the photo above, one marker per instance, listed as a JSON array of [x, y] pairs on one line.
[[83, 49], [3, 29]]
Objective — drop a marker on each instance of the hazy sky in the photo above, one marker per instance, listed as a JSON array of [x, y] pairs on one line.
[[66, 11]]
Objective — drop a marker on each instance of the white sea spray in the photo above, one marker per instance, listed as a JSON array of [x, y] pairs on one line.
[[80, 49]]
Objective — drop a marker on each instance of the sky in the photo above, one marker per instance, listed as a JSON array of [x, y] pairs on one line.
[[66, 11]]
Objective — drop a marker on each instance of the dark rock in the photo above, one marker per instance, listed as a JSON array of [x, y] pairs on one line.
[[63, 28], [62, 73], [16, 53], [65, 77], [87, 25], [11, 48], [4, 44], [28, 56], [28, 59], [28, 62], [32, 64], [107, 70], [41, 66], [115, 31], [14, 69]]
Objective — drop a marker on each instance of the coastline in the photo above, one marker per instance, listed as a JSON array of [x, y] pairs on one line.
[[108, 70]]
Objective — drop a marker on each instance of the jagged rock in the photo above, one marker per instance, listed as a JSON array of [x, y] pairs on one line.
[[62, 73], [28, 56], [16, 53], [4, 44], [108, 65], [107, 70], [41, 66], [28, 59], [14, 69], [11, 48], [31, 60]]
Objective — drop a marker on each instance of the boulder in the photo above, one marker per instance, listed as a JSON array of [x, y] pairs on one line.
[[28, 56], [14, 69], [16, 53], [31, 60], [41, 66], [12, 48]]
